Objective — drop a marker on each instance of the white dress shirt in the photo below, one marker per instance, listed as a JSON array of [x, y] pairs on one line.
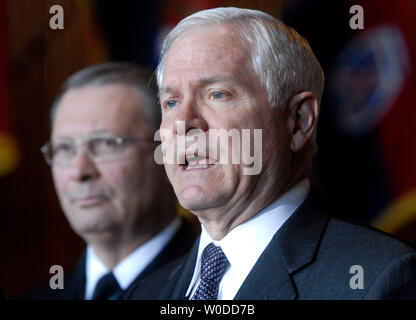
[[245, 243], [131, 266]]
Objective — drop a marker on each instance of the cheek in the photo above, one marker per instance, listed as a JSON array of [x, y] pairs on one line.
[[119, 178], [276, 151], [60, 179], [130, 179], [170, 169], [167, 137], [167, 125], [164, 126]]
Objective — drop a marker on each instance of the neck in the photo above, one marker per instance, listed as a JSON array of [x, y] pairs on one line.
[[112, 252], [220, 221], [114, 245], [112, 248]]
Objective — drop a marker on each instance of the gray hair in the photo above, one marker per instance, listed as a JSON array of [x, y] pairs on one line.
[[117, 73], [281, 58]]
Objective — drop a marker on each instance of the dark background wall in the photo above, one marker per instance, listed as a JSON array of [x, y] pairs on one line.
[[34, 232], [353, 171]]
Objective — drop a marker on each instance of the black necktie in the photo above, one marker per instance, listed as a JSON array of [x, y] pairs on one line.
[[107, 288], [213, 265]]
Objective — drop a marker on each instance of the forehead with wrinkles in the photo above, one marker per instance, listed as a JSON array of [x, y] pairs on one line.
[[205, 52], [98, 108]]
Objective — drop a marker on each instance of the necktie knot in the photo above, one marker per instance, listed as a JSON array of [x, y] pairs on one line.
[[213, 265], [107, 288]]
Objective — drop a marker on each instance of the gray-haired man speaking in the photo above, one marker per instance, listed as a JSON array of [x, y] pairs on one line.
[[264, 236]]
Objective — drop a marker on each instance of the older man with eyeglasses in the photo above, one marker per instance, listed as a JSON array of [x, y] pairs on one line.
[[111, 190]]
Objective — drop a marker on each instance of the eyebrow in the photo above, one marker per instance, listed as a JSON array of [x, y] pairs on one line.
[[97, 133], [61, 138], [214, 79], [165, 90], [203, 81]]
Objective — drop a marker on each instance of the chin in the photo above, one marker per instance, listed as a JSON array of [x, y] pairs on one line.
[[96, 229], [191, 205], [90, 221], [200, 201]]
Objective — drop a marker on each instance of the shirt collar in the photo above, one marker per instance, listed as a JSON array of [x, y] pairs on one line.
[[245, 243], [131, 266]]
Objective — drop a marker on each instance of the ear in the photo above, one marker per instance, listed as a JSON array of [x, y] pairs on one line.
[[303, 113]]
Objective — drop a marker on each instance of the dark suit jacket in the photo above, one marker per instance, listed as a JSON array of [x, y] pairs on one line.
[[308, 258], [74, 282]]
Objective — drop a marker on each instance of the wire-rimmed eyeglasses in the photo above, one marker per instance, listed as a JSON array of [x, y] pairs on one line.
[[99, 148]]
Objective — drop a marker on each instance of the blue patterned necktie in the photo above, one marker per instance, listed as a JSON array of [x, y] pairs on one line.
[[214, 263]]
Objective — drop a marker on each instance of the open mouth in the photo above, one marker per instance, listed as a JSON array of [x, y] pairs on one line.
[[198, 163]]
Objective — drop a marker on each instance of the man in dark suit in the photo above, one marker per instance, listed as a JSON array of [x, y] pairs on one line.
[[111, 190], [265, 232]]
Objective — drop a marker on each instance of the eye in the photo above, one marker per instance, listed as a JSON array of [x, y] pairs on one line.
[[105, 142], [62, 148], [216, 95], [103, 146], [171, 103]]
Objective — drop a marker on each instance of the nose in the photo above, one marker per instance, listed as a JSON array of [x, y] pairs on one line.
[[83, 168], [190, 117]]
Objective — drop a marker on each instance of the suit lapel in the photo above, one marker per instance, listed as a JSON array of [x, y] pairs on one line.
[[75, 282], [178, 246], [268, 280], [293, 247], [184, 274]]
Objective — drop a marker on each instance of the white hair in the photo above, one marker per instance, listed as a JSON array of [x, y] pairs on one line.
[[280, 57]]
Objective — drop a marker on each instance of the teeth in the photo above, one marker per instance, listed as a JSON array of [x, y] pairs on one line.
[[201, 166], [196, 161]]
